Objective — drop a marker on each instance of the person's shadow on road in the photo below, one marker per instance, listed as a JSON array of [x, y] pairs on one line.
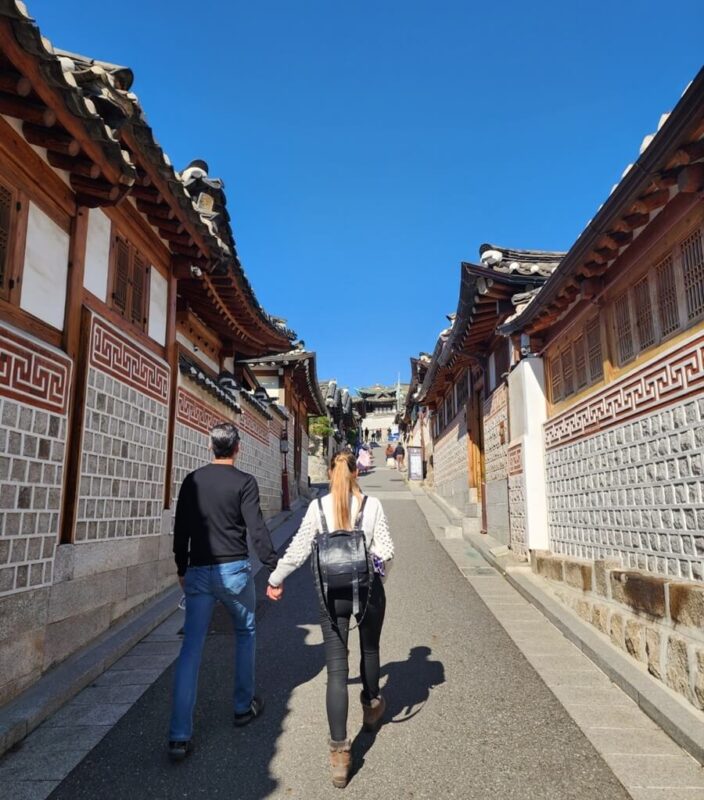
[[407, 689]]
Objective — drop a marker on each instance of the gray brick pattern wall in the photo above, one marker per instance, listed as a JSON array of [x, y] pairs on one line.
[[264, 462], [496, 427], [517, 513], [123, 461], [32, 446], [634, 492], [190, 452], [450, 453]]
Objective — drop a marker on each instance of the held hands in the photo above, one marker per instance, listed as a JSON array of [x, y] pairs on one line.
[[274, 592]]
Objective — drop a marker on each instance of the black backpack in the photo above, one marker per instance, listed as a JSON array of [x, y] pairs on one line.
[[341, 559]]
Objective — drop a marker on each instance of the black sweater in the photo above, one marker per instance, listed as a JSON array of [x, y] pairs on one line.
[[217, 505]]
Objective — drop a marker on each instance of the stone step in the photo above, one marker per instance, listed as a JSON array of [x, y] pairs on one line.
[[471, 525], [451, 531]]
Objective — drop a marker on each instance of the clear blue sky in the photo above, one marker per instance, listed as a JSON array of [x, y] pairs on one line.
[[368, 147]]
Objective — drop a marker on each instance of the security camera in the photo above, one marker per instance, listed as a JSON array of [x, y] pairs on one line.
[[196, 272]]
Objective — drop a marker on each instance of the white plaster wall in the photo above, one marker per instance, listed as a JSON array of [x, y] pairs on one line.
[[527, 413], [95, 276], [158, 306], [45, 269]]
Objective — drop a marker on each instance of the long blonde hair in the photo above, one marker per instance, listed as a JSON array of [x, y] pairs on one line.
[[343, 482]]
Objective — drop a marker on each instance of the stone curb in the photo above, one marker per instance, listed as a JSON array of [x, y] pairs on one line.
[[666, 710], [29, 709]]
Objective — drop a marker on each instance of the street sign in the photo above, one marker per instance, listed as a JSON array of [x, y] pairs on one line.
[[415, 464]]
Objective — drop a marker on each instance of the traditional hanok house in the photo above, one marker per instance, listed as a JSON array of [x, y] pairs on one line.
[[613, 357], [414, 418], [381, 405], [123, 308], [290, 380], [465, 385]]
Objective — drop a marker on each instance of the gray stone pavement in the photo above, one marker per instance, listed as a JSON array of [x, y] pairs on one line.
[[469, 716]]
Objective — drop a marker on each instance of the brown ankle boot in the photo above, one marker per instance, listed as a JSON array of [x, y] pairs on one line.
[[340, 760], [372, 711]]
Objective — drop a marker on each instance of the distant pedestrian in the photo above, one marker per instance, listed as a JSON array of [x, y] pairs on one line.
[[345, 509], [390, 455], [388, 434], [217, 506], [366, 434], [400, 455]]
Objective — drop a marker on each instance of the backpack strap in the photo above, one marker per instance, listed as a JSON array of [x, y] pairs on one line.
[[323, 521], [360, 513]]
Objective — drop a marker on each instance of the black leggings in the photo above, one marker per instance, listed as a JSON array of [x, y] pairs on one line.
[[335, 638]]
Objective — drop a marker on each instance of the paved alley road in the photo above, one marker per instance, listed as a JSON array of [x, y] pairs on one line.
[[468, 716]]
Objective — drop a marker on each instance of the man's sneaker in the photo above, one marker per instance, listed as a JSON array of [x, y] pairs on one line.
[[179, 750], [254, 711]]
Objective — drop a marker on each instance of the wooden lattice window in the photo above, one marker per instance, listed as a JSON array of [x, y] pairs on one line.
[[595, 359], [580, 363], [693, 270], [130, 281], [622, 326], [6, 205], [462, 390], [668, 311], [567, 372], [645, 324], [555, 379]]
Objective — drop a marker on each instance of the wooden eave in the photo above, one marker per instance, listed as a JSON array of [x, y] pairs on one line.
[[72, 116], [672, 164]]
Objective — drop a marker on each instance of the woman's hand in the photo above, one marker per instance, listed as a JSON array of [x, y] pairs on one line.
[[274, 592]]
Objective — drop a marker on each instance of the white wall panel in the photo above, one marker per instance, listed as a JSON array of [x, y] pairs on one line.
[[95, 277], [45, 269]]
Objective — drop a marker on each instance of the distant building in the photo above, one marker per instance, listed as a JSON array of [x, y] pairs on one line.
[[383, 406]]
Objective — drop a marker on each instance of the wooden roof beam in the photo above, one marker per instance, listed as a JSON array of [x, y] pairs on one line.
[[687, 154], [13, 83], [51, 139], [27, 110], [691, 179], [77, 166], [31, 68], [650, 202]]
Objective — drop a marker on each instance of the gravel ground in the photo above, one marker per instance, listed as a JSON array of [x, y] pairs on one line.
[[467, 716]]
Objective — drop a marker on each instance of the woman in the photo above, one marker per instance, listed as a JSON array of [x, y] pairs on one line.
[[363, 460], [340, 507]]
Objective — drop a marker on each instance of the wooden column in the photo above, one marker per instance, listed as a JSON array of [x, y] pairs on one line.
[[75, 343], [172, 358]]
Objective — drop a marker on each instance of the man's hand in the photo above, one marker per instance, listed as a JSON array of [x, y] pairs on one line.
[[182, 581], [274, 592]]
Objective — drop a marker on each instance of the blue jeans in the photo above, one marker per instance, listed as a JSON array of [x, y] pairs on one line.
[[233, 585]]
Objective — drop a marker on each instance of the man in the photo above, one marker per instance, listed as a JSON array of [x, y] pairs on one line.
[[217, 505], [366, 434], [400, 455]]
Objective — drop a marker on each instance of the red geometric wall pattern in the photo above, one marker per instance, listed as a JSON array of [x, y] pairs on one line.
[[668, 379], [33, 374], [111, 352]]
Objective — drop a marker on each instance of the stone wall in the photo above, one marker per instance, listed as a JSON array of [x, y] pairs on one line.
[[123, 461], [495, 462], [34, 391], [517, 501], [657, 621], [450, 465], [260, 456], [625, 469]]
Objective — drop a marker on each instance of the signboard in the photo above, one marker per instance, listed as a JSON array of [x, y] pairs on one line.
[[415, 464]]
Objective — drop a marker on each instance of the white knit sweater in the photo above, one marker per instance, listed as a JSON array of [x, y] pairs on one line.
[[374, 523]]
